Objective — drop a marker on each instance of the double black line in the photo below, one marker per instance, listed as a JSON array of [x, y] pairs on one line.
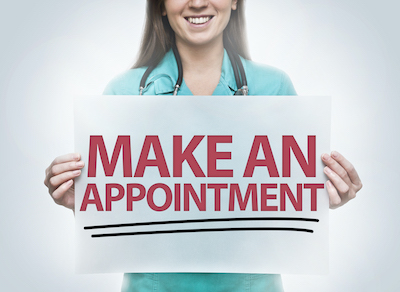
[[201, 229]]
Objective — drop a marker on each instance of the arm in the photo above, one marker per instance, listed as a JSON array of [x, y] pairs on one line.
[[343, 183], [60, 178]]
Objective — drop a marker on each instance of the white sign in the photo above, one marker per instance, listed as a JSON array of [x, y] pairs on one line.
[[214, 184]]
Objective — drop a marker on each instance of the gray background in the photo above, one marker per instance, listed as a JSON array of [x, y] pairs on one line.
[[52, 51]]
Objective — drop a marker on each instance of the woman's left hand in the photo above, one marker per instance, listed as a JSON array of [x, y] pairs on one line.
[[343, 183]]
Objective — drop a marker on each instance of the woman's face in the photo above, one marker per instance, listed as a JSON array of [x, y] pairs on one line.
[[199, 22]]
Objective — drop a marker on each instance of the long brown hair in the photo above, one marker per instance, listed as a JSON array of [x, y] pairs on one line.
[[158, 36]]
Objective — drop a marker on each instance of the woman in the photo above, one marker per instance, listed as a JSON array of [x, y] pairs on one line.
[[197, 31]]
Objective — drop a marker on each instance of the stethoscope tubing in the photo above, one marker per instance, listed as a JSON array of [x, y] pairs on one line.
[[237, 66]]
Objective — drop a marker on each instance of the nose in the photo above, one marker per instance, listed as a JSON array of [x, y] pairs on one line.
[[198, 3]]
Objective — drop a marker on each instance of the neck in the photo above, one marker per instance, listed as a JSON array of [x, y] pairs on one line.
[[201, 66]]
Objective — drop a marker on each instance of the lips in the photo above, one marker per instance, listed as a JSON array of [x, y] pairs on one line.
[[198, 19]]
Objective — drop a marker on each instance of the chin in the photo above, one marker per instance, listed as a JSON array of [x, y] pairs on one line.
[[201, 41]]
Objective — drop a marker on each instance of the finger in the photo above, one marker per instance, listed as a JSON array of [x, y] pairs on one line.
[[341, 186], [336, 167], [67, 157], [56, 181], [64, 158], [59, 194], [334, 198], [66, 166], [351, 171], [49, 172]]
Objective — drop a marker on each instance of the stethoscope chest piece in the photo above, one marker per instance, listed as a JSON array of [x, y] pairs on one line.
[[242, 91]]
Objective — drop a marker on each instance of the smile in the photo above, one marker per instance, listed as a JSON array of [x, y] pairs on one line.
[[198, 20]]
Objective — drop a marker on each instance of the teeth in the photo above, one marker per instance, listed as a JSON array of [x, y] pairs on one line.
[[199, 20]]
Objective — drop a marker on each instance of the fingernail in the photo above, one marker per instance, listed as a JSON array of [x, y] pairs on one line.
[[329, 183], [327, 170], [77, 156], [76, 172], [80, 164], [334, 154], [325, 157]]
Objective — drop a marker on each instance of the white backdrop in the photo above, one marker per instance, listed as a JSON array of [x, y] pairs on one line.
[[53, 50]]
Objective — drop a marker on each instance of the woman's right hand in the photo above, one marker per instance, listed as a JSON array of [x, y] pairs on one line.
[[60, 178]]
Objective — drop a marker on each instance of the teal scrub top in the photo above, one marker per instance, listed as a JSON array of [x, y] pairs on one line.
[[262, 80]]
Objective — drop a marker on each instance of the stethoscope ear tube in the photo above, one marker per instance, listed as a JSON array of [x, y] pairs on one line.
[[144, 78], [241, 70], [180, 69], [235, 68], [241, 81]]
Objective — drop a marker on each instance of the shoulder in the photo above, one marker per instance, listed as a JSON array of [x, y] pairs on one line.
[[267, 80], [126, 83]]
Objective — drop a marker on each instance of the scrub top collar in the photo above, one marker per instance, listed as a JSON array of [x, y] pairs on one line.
[[164, 77]]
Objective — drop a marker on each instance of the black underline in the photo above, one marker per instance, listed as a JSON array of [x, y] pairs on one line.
[[203, 230], [201, 221]]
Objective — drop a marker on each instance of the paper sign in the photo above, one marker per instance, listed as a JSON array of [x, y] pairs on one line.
[[210, 184]]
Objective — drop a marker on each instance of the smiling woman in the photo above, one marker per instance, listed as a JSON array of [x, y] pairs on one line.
[[201, 33]]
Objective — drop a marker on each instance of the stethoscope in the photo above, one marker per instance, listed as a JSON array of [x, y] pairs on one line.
[[238, 70]]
